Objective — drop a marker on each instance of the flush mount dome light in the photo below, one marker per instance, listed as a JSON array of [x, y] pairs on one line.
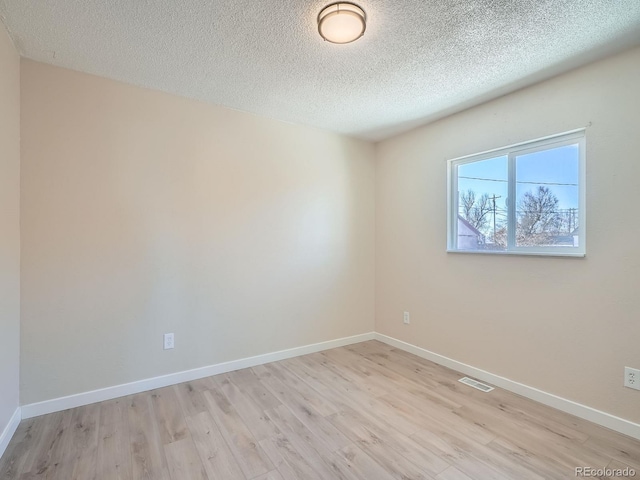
[[341, 22]]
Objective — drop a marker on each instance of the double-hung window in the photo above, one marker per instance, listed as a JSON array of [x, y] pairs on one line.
[[523, 199]]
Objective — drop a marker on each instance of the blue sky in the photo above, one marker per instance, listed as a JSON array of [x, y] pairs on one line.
[[555, 166]]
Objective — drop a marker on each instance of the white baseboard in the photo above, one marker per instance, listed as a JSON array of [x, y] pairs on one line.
[[58, 404], [591, 414], [86, 398], [9, 430]]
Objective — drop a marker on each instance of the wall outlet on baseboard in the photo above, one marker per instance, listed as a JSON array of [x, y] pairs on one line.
[[406, 318], [632, 378], [168, 341]]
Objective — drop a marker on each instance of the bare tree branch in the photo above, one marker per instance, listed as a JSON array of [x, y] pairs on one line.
[[538, 217], [476, 210]]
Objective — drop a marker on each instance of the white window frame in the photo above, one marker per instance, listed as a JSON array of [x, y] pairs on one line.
[[511, 152]]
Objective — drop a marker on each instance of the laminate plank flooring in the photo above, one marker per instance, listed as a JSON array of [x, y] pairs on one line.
[[365, 411]]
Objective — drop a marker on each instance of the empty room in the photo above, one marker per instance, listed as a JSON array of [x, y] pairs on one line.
[[296, 239]]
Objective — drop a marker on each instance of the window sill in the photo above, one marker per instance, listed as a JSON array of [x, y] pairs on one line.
[[526, 254]]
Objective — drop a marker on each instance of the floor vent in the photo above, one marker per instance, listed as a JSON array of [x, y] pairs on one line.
[[475, 384]]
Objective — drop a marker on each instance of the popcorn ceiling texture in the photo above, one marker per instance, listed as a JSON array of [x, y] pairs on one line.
[[418, 60]]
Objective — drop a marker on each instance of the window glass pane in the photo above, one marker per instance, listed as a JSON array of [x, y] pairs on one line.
[[547, 198], [482, 209]]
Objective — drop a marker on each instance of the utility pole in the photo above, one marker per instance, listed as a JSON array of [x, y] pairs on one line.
[[494, 214], [571, 217]]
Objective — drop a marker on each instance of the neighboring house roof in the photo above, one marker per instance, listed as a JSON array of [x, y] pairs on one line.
[[471, 227]]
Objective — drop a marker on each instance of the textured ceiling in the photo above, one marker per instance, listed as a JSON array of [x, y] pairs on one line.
[[418, 60]]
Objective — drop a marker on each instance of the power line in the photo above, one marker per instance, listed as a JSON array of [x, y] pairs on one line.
[[505, 181], [503, 210], [485, 179]]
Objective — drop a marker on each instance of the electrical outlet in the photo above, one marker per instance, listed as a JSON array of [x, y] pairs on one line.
[[168, 341], [406, 318], [632, 378]]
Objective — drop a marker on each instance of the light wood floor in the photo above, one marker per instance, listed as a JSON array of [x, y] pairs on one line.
[[367, 411]]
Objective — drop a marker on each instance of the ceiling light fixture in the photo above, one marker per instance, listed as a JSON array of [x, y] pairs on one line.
[[342, 22]]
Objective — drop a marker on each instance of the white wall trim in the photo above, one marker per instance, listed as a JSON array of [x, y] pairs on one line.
[[86, 398], [9, 430], [58, 404], [569, 406]]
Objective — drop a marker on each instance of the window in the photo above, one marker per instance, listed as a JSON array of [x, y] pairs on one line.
[[523, 199]]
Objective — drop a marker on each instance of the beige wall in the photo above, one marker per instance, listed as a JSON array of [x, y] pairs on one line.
[[566, 326], [9, 227], [145, 213]]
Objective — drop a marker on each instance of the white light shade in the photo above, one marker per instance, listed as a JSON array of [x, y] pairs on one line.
[[342, 22]]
